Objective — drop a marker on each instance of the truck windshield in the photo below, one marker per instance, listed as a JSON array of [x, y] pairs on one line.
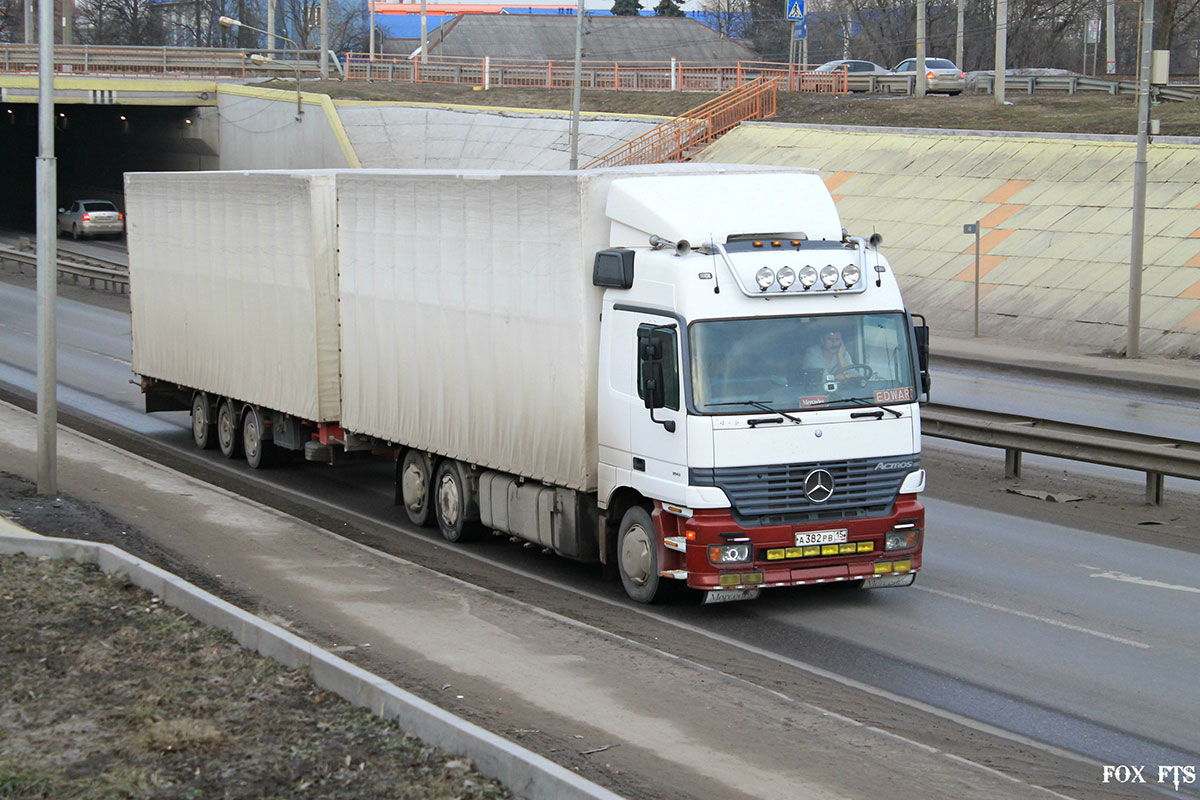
[[801, 363]]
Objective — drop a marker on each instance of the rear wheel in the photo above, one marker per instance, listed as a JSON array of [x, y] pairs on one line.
[[259, 450], [203, 431], [451, 503], [74, 231], [229, 440], [414, 487], [637, 556]]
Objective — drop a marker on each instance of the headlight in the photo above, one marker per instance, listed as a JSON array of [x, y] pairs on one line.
[[729, 553], [786, 277], [901, 539], [850, 275], [808, 277], [829, 275], [765, 277]]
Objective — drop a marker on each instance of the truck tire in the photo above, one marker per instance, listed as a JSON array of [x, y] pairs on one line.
[[229, 440], [450, 503], [637, 556], [204, 432], [260, 451], [414, 487]]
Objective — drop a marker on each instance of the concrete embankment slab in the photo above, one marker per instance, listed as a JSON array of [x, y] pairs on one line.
[[1055, 217]]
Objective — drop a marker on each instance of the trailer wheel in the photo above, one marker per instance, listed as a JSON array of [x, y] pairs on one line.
[[203, 429], [414, 487], [229, 441], [637, 555], [259, 450], [450, 503]]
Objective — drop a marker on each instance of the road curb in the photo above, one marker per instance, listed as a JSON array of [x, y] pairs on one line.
[[524, 773]]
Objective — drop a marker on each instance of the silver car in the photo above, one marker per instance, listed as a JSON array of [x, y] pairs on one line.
[[941, 75], [91, 218], [853, 67]]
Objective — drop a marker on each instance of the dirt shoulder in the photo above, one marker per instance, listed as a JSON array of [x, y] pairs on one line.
[[1043, 112], [110, 694]]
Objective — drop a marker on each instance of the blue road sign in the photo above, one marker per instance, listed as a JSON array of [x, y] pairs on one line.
[[795, 10], [800, 29]]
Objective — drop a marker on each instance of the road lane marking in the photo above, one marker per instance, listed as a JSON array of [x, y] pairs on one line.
[[1113, 575], [1027, 615]]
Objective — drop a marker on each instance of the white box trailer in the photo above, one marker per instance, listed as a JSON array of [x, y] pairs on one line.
[[544, 355]]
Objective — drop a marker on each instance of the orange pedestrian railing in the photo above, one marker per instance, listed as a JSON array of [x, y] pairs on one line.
[[680, 138]]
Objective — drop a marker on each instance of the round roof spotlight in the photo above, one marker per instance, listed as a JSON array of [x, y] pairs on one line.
[[851, 275], [786, 277], [764, 277], [829, 275], [808, 277]]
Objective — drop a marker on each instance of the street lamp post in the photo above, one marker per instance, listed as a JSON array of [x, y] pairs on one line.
[[230, 22]]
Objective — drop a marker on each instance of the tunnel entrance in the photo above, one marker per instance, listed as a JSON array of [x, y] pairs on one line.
[[95, 146]]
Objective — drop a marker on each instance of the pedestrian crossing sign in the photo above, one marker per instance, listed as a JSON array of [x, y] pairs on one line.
[[795, 10]]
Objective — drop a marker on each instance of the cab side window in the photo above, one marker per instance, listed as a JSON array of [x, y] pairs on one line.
[[670, 361]]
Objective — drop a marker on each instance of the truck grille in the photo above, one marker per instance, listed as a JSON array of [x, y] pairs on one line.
[[774, 494]]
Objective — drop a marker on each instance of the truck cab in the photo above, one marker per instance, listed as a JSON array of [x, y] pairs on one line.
[[758, 422]]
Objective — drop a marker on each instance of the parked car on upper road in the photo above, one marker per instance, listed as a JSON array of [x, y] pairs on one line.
[[90, 218], [853, 67], [941, 74]]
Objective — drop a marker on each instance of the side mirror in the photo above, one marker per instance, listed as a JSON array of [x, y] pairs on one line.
[[651, 375], [922, 335], [653, 392]]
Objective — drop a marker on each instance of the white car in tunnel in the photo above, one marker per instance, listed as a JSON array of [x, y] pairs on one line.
[[91, 218]]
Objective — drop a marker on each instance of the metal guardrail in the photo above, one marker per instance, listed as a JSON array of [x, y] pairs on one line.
[[1016, 434], [1073, 84], [110, 274], [149, 62]]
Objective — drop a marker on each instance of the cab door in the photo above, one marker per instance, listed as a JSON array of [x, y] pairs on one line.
[[658, 436]]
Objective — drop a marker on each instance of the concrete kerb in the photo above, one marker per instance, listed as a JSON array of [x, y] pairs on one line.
[[525, 773]]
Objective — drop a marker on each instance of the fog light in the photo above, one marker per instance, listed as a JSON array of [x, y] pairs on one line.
[[829, 275], [786, 277], [866, 547], [764, 278], [902, 566], [850, 274], [808, 277], [882, 568]]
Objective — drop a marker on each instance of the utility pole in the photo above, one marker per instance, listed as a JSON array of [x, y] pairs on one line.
[[30, 23], [958, 38], [1110, 27], [271, 27], [1001, 50], [577, 89], [47, 259], [1138, 235], [919, 83], [324, 40], [68, 36], [424, 34]]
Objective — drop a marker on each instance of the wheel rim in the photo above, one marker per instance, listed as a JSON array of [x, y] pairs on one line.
[[448, 500], [225, 427], [635, 555], [199, 419], [412, 485], [253, 438]]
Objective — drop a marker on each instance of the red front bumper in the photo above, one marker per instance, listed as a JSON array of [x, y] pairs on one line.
[[706, 527]]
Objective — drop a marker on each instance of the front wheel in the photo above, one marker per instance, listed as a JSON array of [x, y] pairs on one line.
[[637, 556]]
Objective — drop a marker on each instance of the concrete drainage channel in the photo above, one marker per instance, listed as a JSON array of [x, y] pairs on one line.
[[526, 774]]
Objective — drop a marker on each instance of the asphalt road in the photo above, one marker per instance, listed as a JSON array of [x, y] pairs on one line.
[[1052, 631]]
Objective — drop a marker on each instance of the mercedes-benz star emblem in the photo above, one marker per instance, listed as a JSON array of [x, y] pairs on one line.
[[818, 485]]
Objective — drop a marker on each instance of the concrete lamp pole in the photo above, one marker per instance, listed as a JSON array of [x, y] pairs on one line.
[[1138, 234], [230, 22], [577, 89], [47, 259]]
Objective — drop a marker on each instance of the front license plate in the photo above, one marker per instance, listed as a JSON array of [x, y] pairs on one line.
[[728, 595], [821, 537]]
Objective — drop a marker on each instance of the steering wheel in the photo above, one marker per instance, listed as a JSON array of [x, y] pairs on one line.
[[859, 372]]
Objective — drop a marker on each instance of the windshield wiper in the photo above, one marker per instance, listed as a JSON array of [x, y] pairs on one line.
[[862, 401], [760, 405]]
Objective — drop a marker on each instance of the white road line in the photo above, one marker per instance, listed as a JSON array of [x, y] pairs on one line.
[[1113, 575], [1027, 615]]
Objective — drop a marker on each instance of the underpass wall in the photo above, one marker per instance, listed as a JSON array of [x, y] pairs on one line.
[[259, 130], [1055, 214]]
